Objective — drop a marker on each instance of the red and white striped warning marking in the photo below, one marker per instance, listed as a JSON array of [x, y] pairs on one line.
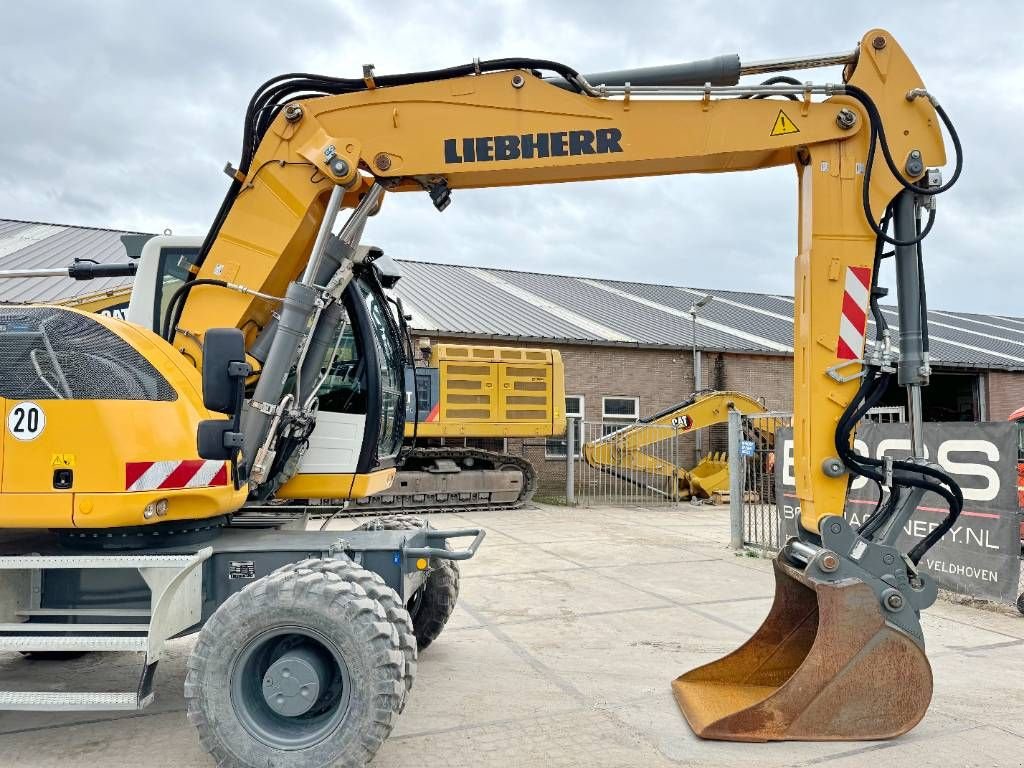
[[160, 475], [853, 322]]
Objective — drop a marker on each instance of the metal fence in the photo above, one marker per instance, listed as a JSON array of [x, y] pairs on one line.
[[757, 503], [615, 464], [755, 513]]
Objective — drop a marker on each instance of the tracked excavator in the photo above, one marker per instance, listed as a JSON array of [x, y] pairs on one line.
[[626, 451], [110, 427]]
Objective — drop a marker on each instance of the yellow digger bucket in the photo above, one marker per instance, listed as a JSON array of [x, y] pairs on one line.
[[827, 664], [711, 474]]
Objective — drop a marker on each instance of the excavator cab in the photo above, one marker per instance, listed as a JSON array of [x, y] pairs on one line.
[[355, 370]]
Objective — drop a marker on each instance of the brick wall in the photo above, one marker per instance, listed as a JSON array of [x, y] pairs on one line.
[[1005, 392], [659, 378]]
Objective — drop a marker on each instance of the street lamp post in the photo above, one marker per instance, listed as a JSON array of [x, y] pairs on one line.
[[698, 376]]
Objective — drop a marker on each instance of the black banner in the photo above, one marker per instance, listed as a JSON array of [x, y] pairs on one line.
[[980, 556]]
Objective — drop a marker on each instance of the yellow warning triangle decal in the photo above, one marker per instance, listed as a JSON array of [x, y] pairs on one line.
[[783, 125]]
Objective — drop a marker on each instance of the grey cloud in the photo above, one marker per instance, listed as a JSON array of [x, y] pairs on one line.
[[121, 114]]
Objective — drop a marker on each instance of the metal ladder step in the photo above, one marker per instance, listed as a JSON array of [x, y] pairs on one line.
[[33, 562], [135, 643], [41, 628], [69, 701], [62, 612]]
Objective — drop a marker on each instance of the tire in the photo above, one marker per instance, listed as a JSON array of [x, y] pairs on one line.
[[376, 588], [1020, 602], [434, 602], [249, 676]]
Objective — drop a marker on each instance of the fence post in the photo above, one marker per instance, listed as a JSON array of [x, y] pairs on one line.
[[736, 478], [570, 464]]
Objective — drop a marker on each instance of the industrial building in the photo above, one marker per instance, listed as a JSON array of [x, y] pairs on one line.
[[629, 348]]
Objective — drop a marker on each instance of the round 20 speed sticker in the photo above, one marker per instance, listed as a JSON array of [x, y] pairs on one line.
[[26, 421]]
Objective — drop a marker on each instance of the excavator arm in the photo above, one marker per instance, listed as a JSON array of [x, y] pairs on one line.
[[842, 653], [624, 451], [512, 127]]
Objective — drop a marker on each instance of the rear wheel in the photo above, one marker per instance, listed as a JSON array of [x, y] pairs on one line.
[[300, 668], [434, 602]]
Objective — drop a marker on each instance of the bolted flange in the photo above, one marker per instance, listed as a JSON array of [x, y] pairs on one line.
[[833, 467], [338, 166], [846, 118], [828, 562], [915, 163], [892, 600]]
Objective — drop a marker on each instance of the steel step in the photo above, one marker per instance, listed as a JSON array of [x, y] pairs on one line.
[[69, 701], [134, 643], [32, 562], [46, 628], [111, 612]]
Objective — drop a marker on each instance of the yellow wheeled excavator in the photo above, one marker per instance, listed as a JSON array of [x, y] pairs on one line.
[[106, 421], [625, 452]]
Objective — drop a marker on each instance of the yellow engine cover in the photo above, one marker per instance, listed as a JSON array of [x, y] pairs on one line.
[[491, 391], [100, 422]]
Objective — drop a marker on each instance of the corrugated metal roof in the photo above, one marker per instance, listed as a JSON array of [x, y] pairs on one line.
[[36, 245], [475, 301]]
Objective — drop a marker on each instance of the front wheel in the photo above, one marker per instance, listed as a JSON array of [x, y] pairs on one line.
[[300, 668]]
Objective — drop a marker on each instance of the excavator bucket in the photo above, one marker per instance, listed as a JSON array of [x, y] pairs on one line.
[[710, 475], [824, 666]]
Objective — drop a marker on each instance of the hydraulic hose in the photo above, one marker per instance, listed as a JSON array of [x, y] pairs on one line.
[[178, 298]]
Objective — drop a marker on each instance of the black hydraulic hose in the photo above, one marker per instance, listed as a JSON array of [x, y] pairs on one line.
[[923, 294], [877, 138], [876, 121], [882, 513], [272, 95], [178, 297], [778, 79]]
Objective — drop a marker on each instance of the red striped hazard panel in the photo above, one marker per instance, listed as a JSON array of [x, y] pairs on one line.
[[853, 322], [160, 475]]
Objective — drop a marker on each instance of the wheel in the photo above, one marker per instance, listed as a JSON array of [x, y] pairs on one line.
[[300, 668], [434, 602], [376, 588], [1020, 602]]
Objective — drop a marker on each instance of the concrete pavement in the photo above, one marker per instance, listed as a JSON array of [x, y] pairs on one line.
[[570, 626]]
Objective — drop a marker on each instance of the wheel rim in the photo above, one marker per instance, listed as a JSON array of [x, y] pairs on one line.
[[290, 687], [416, 603]]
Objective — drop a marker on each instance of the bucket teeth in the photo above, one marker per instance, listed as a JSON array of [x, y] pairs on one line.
[[824, 666]]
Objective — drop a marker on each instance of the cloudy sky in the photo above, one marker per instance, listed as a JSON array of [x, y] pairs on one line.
[[122, 114]]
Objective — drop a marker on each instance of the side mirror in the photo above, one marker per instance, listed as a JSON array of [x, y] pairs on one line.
[[224, 374], [223, 359]]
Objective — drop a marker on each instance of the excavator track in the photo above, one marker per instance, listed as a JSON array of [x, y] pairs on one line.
[[452, 479]]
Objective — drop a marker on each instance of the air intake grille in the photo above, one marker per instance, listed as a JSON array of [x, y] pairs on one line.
[[54, 354]]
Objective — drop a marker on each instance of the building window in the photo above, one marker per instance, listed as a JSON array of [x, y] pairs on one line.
[[555, 447], [616, 412]]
